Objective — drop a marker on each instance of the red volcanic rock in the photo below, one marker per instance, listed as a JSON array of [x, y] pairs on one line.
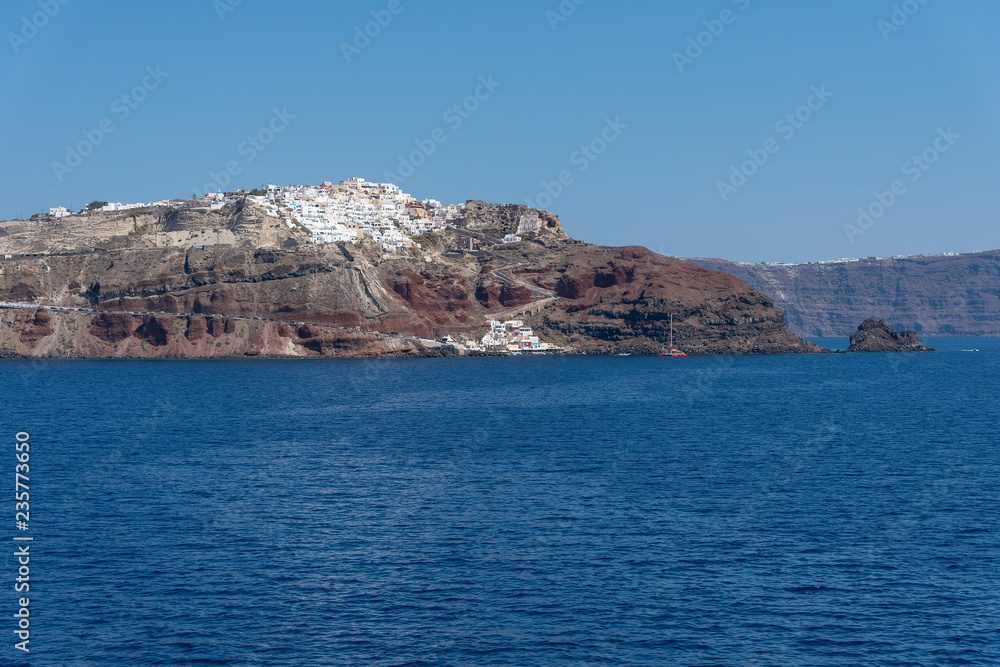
[[197, 328], [307, 331], [342, 318], [614, 295], [488, 293], [581, 281], [218, 302], [155, 329], [112, 327], [284, 330], [230, 326], [427, 292], [512, 296], [216, 327], [35, 328]]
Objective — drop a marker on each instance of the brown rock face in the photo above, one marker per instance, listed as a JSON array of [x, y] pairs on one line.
[[625, 296], [307, 331], [876, 336], [426, 292], [512, 296], [155, 329], [112, 327], [35, 328], [217, 327], [197, 328], [502, 219]]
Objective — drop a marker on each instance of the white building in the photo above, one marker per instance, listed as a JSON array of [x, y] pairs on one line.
[[352, 209], [528, 224], [59, 212]]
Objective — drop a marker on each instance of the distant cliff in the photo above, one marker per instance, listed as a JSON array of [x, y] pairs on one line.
[[941, 295]]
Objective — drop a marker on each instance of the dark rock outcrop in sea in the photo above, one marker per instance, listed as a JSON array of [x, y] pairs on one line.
[[877, 336]]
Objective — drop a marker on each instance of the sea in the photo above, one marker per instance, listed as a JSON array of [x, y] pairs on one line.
[[580, 510]]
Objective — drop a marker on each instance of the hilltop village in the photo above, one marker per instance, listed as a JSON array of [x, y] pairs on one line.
[[346, 212], [354, 211]]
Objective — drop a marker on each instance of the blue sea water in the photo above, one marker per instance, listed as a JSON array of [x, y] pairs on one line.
[[770, 510]]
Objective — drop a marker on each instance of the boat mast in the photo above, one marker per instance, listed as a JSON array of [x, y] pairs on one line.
[[671, 332]]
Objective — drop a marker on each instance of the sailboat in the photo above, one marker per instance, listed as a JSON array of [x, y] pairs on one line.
[[674, 352]]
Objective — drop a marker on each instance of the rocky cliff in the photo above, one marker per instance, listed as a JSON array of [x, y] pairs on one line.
[[876, 336], [945, 295], [180, 301]]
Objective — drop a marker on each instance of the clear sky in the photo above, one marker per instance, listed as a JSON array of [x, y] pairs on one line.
[[661, 130]]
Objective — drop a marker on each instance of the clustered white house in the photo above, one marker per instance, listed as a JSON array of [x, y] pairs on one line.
[[346, 212], [118, 206], [355, 209]]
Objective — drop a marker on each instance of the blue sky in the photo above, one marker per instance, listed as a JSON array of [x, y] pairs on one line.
[[560, 81]]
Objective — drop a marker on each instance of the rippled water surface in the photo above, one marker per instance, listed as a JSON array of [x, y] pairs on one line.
[[781, 510]]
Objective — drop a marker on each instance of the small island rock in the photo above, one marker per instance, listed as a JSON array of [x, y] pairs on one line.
[[877, 336]]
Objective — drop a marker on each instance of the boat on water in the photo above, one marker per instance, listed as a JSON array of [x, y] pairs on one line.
[[970, 350], [673, 352]]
